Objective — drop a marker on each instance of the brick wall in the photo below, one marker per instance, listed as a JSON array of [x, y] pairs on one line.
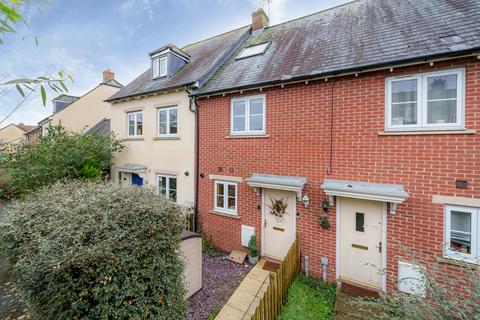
[[298, 144]]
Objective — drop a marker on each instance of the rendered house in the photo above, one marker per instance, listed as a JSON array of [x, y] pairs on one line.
[[364, 118], [156, 118], [13, 134], [87, 113]]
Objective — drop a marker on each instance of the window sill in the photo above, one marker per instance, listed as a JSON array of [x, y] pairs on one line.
[[223, 214], [134, 139], [425, 132], [167, 138], [458, 262], [246, 136]]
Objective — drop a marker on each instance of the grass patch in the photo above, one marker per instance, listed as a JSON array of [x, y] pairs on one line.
[[309, 299], [213, 314]]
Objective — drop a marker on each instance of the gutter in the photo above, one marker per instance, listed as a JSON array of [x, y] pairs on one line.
[[348, 71]]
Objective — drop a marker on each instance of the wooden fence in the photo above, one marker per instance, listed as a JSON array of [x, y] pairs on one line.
[[276, 294]]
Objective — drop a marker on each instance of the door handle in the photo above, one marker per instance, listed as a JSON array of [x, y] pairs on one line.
[[380, 247], [265, 223]]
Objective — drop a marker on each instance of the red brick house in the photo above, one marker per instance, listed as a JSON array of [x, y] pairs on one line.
[[366, 116]]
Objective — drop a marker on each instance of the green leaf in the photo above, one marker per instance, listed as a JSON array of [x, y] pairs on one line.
[[19, 89], [36, 41], [70, 78], [44, 95], [15, 81], [64, 86]]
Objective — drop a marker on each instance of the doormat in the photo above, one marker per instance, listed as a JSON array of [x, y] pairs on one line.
[[271, 266], [237, 256]]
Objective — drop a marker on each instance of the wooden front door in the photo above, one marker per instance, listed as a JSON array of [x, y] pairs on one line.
[[279, 232], [360, 241]]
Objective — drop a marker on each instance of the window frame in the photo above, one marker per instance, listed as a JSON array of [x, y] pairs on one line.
[[422, 105], [247, 130], [135, 128], [167, 185], [157, 67], [472, 257], [167, 109], [225, 202]]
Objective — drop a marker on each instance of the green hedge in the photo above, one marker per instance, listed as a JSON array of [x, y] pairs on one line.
[[85, 250]]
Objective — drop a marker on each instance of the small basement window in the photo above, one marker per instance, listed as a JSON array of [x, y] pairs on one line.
[[253, 50]]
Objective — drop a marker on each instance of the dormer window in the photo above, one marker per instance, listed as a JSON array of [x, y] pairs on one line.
[[159, 67], [253, 50]]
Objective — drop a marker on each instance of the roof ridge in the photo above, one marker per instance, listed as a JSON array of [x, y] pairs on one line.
[[315, 13], [210, 38]]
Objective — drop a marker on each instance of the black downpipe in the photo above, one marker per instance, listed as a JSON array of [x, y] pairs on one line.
[[197, 164], [330, 164]]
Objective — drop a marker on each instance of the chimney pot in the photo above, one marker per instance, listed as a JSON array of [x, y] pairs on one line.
[[259, 20], [108, 75]]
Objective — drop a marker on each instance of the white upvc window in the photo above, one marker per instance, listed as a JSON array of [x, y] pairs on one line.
[[135, 124], [167, 185], [427, 101], [462, 228], [225, 197], [159, 67], [168, 121], [247, 115]]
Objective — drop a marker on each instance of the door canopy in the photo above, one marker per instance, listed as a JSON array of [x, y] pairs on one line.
[[393, 193], [268, 181]]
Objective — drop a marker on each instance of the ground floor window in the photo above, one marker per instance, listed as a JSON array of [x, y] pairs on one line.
[[167, 185], [226, 197], [462, 228]]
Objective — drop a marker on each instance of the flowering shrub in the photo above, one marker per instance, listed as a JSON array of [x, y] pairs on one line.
[[86, 250]]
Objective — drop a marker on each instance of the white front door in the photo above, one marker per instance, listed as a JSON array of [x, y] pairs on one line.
[[360, 236], [279, 231]]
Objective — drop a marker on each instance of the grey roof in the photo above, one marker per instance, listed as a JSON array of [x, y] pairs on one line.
[[172, 47], [286, 181], [204, 57], [365, 188], [102, 127], [353, 37], [113, 83]]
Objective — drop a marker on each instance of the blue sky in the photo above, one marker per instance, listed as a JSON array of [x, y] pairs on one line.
[[85, 37]]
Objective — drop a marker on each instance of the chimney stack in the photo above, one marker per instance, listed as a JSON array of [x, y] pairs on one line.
[[259, 20], [108, 75]]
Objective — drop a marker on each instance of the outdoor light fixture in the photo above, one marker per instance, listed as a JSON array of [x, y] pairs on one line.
[[306, 201], [325, 205]]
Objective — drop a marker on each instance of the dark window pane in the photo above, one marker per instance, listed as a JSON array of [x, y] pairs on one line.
[[172, 183], [173, 195], [460, 231], [404, 113], [162, 185], [442, 111], [231, 203], [220, 201], [404, 91], [360, 222], [139, 124], [443, 87]]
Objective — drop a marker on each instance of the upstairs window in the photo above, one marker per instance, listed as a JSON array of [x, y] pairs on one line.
[[462, 227], [253, 50], [248, 115], [167, 185], [159, 67], [167, 121], [135, 124], [429, 101]]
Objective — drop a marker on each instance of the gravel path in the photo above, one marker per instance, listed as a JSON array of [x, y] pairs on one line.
[[220, 279]]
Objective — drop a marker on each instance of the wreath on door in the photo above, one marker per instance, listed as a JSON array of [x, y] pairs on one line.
[[278, 207]]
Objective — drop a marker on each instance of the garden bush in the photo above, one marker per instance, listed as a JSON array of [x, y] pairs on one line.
[[58, 155], [91, 250]]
